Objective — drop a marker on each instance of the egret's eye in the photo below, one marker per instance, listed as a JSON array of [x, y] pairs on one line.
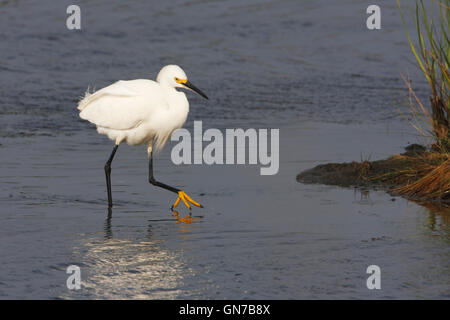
[[182, 81]]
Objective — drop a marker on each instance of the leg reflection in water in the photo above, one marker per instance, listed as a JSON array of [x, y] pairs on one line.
[[107, 228], [187, 219]]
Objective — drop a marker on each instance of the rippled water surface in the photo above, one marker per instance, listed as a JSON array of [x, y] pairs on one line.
[[309, 68]]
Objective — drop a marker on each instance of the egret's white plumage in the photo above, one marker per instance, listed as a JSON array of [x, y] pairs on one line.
[[139, 111]]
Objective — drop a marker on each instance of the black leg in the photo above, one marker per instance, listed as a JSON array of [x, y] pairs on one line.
[[181, 194], [152, 180], [108, 175]]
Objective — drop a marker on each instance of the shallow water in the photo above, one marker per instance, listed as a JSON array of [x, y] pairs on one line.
[[310, 69]]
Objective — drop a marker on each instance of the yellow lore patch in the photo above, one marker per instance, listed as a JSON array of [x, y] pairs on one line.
[[182, 81]]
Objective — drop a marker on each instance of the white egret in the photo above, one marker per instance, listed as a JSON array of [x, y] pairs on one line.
[[141, 112]]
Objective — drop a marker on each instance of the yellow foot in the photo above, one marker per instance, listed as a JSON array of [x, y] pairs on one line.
[[186, 199]]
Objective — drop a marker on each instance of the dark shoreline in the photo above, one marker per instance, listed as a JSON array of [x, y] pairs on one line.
[[375, 175]]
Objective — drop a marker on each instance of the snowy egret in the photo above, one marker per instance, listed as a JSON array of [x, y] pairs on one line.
[[141, 112]]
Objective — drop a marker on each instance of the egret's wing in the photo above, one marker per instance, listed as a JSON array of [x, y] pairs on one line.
[[119, 88], [123, 105]]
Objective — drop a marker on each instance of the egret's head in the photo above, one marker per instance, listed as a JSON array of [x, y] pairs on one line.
[[175, 77]]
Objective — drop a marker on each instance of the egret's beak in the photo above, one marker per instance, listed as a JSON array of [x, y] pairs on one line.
[[189, 85]]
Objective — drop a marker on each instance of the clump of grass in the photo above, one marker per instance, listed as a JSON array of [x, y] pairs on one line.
[[419, 174], [432, 54], [424, 176], [427, 176], [434, 184]]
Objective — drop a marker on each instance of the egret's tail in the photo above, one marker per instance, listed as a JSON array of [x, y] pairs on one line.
[[85, 100]]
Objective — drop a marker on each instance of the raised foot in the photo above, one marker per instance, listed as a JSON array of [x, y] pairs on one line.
[[186, 199]]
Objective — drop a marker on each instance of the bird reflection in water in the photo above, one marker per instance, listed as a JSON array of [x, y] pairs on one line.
[[108, 230], [121, 266], [189, 219]]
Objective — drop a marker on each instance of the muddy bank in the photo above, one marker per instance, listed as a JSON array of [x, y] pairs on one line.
[[417, 174]]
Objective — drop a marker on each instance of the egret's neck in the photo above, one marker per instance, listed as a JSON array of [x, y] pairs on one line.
[[169, 90], [178, 105], [167, 87], [176, 99]]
